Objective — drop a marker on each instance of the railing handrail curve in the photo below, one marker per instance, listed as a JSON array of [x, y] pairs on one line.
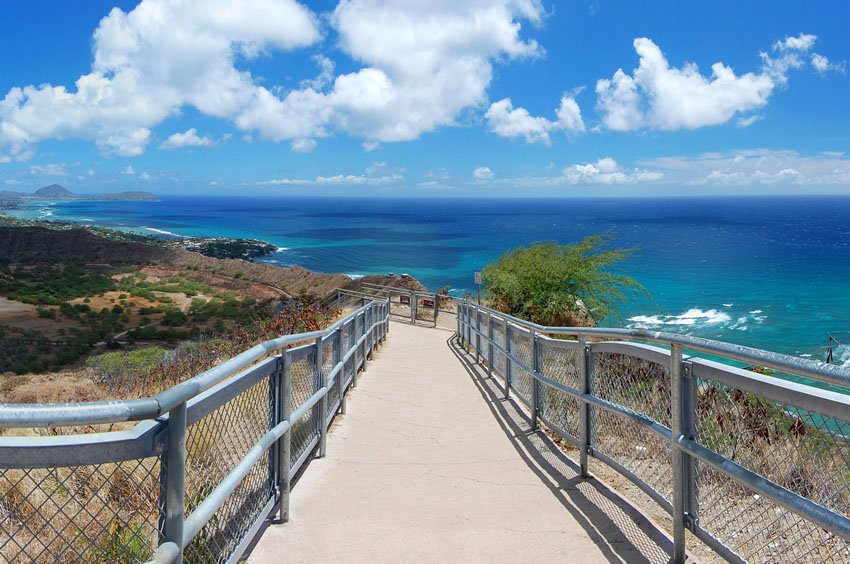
[[815, 370], [116, 411]]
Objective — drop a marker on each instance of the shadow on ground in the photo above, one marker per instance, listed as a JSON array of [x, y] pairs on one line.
[[622, 533]]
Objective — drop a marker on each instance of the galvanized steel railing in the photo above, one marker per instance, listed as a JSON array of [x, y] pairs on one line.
[[756, 466], [201, 470]]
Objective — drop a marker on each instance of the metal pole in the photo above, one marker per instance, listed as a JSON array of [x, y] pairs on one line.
[[680, 493], [356, 348], [175, 482], [535, 383], [322, 380], [689, 422], [340, 375], [412, 308], [489, 345], [585, 373], [508, 364], [436, 308], [285, 459], [363, 335], [477, 335]]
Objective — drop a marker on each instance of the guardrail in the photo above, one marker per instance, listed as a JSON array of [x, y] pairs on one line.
[[201, 471], [756, 466], [409, 304]]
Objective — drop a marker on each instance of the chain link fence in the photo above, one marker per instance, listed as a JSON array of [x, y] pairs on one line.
[[755, 465], [191, 481]]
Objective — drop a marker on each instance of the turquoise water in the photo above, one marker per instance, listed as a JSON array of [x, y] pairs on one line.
[[766, 272]]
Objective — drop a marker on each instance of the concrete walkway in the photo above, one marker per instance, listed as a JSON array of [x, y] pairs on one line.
[[430, 465]]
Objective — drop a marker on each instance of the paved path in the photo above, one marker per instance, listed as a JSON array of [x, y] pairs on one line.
[[427, 467]]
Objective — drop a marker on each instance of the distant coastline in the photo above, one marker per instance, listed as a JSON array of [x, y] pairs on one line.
[[56, 192]]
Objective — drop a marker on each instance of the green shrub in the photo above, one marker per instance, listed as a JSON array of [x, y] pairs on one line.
[[555, 284]]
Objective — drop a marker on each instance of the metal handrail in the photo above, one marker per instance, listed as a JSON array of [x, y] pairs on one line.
[[166, 420], [684, 407], [813, 369], [115, 411]]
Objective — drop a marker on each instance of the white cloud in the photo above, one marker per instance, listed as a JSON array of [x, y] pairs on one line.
[[188, 138], [747, 121], [11, 182], [823, 65], [145, 176], [802, 42], [756, 167], [423, 63], [282, 182], [483, 173], [52, 169], [148, 64], [506, 121], [303, 145], [377, 174], [325, 76], [369, 146], [128, 170], [659, 96], [605, 171]]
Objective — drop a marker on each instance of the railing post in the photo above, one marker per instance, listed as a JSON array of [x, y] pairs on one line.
[[322, 380], [468, 329], [537, 368], [175, 480], [363, 335], [436, 307], [413, 304], [489, 345], [585, 373], [457, 319], [340, 375], [478, 335], [285, 459], [683, 404], [356, 349], [509, 369]]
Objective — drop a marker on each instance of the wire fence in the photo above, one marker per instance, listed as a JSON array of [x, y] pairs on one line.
[[201, 470], [756, 466]]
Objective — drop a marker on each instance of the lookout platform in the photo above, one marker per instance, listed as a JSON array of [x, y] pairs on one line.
[[431, 464]]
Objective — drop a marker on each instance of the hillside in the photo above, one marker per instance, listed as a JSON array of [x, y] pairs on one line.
[[67, 293]]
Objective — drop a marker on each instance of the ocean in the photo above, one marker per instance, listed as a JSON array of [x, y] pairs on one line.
[[768, 272]]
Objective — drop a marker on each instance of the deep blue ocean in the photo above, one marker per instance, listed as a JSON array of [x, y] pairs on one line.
[[767, 272]]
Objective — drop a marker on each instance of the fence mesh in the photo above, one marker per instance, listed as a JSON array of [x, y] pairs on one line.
[[560, 408], [304, 385], [522, 344], [214, 446], [804, 452], [98, 513], [499, 363]]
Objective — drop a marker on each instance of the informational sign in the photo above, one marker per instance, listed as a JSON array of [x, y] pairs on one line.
[[477, 277]]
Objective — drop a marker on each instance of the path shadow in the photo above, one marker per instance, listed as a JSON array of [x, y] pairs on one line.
[[621, 532]]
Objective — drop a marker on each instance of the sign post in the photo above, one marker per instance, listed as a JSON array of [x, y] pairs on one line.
[[478, 284]]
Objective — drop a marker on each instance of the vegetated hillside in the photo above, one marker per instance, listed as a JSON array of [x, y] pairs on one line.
[[40, 244], [66, 293]]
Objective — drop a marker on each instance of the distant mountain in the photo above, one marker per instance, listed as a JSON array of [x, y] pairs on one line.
[[55, 191], [58, 192]]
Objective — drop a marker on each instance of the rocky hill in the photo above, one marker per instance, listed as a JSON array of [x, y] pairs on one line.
[[58, 192]]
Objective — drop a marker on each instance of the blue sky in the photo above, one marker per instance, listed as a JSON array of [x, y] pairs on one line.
[[437, 98]]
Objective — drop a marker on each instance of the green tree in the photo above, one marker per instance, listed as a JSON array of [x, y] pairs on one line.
[[559, 285]]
